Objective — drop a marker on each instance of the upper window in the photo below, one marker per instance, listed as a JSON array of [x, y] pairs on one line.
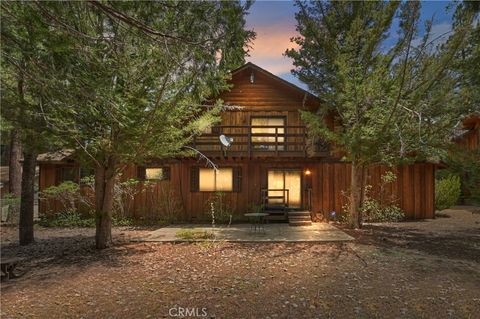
[[219, 180], [268, 133]]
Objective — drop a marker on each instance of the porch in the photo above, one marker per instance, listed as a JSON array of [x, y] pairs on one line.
[[318, 232], [260, 141]]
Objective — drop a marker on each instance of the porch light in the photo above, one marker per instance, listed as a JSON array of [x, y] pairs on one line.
[[252, 77], [307, 172]]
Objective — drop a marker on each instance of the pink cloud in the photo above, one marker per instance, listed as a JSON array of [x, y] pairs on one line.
[[270, 45]]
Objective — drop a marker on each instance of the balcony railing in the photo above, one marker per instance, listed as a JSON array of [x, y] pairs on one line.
[[257, 140]]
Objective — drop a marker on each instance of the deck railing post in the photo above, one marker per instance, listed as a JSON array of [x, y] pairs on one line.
[[292, 139], [276, 141]]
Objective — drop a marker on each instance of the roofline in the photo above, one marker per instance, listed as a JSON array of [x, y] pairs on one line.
[[293, 86]]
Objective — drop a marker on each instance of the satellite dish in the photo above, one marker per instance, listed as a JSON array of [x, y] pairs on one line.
[[226, 141]]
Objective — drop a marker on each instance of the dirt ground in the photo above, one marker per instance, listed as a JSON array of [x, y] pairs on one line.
[[428, 269]]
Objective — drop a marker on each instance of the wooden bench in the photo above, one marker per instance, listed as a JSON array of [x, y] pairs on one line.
[[8, 266]]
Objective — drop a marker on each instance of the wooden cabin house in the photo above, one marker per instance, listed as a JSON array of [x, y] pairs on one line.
[[270, 163], [468, 135]]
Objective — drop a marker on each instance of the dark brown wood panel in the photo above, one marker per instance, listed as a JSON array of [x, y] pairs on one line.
[[414, 188]]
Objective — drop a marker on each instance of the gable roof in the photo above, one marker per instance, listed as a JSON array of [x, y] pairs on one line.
[[274, 77], [60, 156]]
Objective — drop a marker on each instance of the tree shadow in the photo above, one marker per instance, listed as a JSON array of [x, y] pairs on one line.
[[46, 258], [460, 245]]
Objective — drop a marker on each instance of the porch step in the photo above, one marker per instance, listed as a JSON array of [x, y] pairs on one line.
[[299, 218], [299, 213]]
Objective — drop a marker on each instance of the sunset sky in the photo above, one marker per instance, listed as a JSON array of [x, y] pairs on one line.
[[274, 22]]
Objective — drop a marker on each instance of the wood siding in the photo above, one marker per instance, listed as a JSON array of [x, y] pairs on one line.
[[328, 181], [470, 140], [267, 95]]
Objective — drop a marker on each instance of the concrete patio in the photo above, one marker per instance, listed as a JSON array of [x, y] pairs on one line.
[[318, 232]]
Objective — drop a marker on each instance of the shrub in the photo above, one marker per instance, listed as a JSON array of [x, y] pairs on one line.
[[68, 219], [465, 164], [218, 208], [378, 206], [68, 193], [374, 212], [123, 194], [10, 205], [447, 192], [169, 205]]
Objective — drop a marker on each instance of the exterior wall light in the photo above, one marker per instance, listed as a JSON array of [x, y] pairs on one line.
[[308, 172], [252, 77]]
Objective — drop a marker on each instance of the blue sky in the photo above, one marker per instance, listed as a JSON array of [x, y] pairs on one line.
[[274, 22]]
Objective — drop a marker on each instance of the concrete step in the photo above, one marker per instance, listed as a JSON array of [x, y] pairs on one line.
[[299, 218], [294, 213]]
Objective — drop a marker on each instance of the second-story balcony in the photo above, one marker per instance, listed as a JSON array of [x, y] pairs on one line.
[[260, 141]]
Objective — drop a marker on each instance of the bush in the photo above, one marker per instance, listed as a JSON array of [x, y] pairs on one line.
[[218, 208], [68, 219], [10, 206], [447, 192], [378, 206], [68, 193], [374, 212], [465, 164]]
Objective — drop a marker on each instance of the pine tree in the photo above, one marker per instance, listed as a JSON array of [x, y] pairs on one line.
[[394, 104], [128, 81]]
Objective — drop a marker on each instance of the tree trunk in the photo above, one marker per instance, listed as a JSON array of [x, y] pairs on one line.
[[27, 197], [14, 165], [104, 186], [356, 195]]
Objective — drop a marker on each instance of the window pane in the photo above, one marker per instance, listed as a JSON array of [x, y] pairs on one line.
[[225, 179], [275, 181], [154, 173], [206, 180], [293, 182], [268, 121]]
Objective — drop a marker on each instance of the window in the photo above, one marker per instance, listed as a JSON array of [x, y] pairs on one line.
[[153, 173], [68, 173], [211, 180], [265, 138], [226, 179], [280, 181]]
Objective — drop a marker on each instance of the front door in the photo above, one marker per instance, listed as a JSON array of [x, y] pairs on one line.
[[287, 184]]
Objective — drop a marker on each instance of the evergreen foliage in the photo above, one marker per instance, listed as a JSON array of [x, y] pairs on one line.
[[121, 81], [447, 192], [392, 104]]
